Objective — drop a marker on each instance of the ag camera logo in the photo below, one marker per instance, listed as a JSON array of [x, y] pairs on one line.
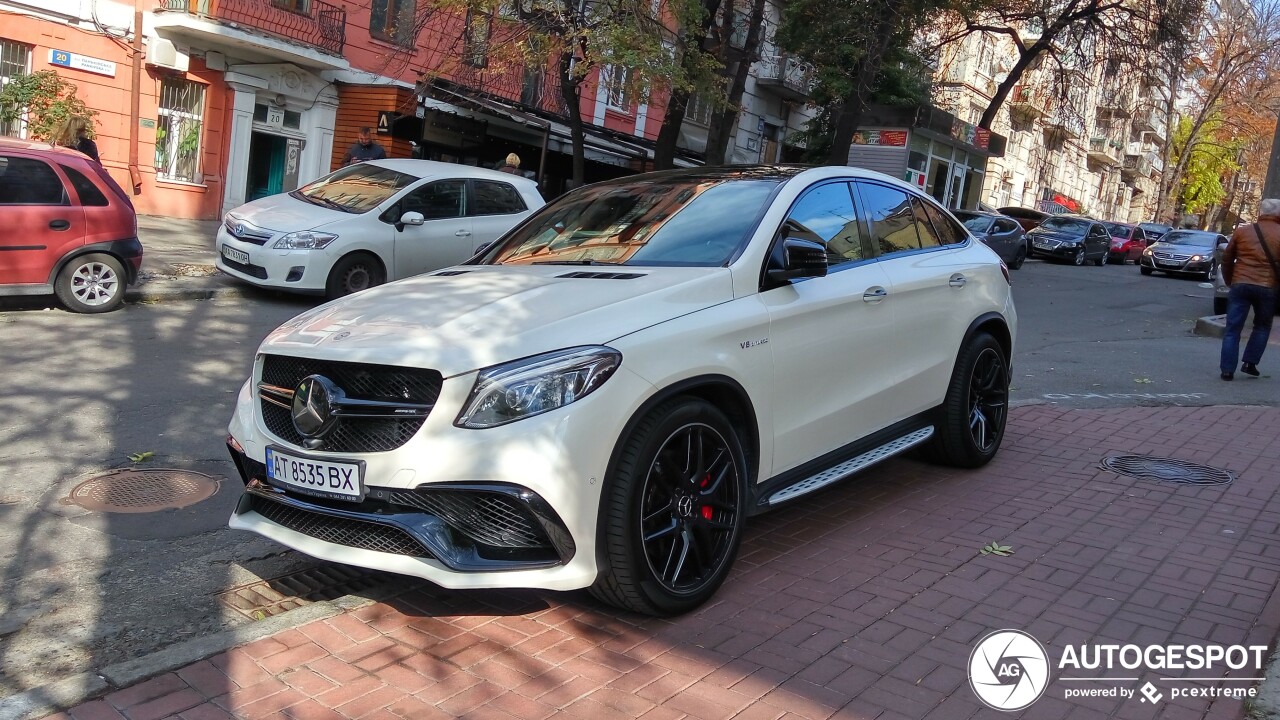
[[1008, 670]]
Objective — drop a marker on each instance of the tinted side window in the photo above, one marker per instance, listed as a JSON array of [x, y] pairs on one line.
[[893, 225], [825, 215], [928, 236], [436, 201], [948, 229], [90, 195], [26, 181], [494, 198], [1005, 226]]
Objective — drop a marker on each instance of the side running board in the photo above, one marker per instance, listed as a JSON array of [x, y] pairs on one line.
[[849, 467]]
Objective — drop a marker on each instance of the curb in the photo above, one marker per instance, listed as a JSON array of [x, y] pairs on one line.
[[1211, 326], [69, 692], [153, 293]]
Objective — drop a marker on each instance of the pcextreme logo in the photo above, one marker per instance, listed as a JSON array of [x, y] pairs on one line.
[[1009, 670]]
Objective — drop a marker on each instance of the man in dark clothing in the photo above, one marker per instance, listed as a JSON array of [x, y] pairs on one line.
[[365, 149], [1254, 282]]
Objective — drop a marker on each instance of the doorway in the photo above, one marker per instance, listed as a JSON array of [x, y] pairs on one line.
[[267, 154]]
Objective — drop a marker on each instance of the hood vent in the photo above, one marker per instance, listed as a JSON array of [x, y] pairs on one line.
[[587, 275], [447, 273]]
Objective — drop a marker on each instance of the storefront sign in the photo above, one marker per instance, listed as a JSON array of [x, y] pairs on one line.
[[883, 138], [971, 134], [386, 119], [62, 58]]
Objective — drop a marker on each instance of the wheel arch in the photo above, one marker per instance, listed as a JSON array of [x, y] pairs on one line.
[[362, 250], [721, 391], [121, 251], [994, 324]]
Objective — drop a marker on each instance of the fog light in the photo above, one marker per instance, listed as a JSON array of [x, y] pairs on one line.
[[295, 273]]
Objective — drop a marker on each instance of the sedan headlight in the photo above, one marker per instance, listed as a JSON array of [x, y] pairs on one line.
[[524, 388], [1147, 252], [1196, 258], [305, 240]]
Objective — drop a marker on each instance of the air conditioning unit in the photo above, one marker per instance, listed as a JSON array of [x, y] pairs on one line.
[[163, 53]]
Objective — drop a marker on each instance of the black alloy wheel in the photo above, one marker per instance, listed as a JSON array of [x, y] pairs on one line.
[[971, 421], [1078, 259], [988, 399]]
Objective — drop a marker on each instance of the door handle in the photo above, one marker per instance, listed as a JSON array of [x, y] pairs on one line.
[[957, 281], [874, 294], [463, 233], [59, 224]]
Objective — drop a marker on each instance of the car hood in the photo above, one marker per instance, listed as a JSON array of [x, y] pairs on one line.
[[486, 315], [285, 213], [1042, 234], [1183, 249]]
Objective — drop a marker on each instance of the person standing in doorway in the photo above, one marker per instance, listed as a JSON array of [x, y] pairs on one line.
[[512, 166], [364, 149], [74, 134], [1251, 271]]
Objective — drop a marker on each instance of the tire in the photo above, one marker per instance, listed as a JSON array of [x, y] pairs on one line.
[[1144, 269], [1219, 306], [1079, 257], [353, 273], [1102, 260], [979, 388], [678, 509], [91, 283], [1208, 274], [1019, 258]]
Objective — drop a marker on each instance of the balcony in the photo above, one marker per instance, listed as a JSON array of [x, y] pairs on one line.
[[789, 77], [1150, 121], [1064, 124], [1105, 151], [1030, 102], [1135, 166], [312, 23]]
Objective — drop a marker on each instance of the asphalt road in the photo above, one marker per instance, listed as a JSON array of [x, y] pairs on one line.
[[80, 589]]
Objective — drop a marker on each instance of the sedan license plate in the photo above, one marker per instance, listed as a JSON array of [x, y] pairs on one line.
[[239, 256], [325, 478], [1042, 245]]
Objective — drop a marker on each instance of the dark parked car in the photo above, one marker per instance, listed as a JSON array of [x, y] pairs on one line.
[[1154, 231], [67, 228], [1127, 242], [1071, 237], [1000, 233], [1183, 252], [1029, 219]]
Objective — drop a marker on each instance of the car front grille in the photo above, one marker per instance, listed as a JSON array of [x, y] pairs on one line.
[[359, 381], [488, 518], [247, 233], [252, 270], [339, 530]]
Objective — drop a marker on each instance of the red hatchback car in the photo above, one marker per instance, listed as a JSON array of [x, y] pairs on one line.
[[67, 228], [1127, 242]]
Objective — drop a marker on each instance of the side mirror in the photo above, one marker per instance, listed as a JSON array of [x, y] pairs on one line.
[[800, 259], [412, 218]]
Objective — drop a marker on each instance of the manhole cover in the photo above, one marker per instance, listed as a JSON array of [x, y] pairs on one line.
[[1167, 470], [142, 491], [264, 598]]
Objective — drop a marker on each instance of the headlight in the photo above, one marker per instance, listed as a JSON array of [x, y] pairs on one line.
[[1148, 251], [1196, 258], [305, 240], [524, 388]]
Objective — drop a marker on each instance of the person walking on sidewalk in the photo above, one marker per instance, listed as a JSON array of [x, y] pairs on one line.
[[365, 149], [1251, 271], [74, 134]]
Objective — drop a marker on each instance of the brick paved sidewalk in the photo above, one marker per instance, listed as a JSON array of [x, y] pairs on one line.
[[862, 602]]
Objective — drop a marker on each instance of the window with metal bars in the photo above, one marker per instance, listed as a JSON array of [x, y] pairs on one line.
[[393, 20], [475, 49], [179, 128], [699, 109], [15, 61], [616, 79]]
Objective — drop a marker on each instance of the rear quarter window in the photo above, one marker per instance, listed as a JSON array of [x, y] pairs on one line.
[[90, 195], [495, 198]]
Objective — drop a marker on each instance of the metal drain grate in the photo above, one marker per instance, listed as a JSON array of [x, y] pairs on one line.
[[142, 491], [1169, 470], [265, 598]]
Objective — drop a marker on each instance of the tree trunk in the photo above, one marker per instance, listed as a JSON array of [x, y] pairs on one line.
[[849, 114], [1165, 186], [569, 89], [664, 151], [1025, 59], [724, 121]]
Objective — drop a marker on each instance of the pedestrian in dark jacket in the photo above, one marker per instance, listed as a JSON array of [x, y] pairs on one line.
[[1253, 283], [74, 134], [364, 149], [512, 166]]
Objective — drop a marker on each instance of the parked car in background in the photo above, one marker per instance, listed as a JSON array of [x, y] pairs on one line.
[[1000, 233], [371, 223], [1154, 231], [604, 396], [1073, 238], [1183, 252], [66, 228], [1026, 217], [1127, 242]]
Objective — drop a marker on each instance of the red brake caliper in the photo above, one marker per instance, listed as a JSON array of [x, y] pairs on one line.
[[706, 509]]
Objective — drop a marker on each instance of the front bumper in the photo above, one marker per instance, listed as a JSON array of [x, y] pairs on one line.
[[297, 270], [1064, 252], [1176, 266]]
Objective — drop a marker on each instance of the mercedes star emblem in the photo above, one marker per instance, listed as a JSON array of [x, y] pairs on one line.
[[314, 404]]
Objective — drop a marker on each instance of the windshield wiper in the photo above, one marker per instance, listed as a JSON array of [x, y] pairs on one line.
[[575, 262], [322, 201]]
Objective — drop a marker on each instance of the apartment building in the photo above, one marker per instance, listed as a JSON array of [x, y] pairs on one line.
[[1081, 138]]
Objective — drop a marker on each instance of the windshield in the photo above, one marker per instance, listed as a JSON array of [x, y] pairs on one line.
[[1062, 224], [681, 221], [355, 189], [1118, 230], [1199, 238], [1153, 228], [976, 223]]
